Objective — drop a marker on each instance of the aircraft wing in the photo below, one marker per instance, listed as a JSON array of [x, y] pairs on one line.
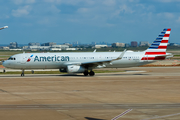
[[97, 63]]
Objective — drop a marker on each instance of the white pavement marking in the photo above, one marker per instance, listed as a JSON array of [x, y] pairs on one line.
[[28, 106], [162, 116], [62, 110], [132, 71], [120, 115]]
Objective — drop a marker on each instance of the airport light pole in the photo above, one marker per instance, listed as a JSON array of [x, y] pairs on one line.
[[4, 27], [1, 29]]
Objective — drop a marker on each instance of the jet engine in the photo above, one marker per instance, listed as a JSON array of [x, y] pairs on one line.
[[75, 69]]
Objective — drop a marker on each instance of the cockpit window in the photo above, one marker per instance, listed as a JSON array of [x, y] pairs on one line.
[[12, 58]]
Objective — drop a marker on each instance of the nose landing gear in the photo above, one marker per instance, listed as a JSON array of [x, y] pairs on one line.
[[22, 74]]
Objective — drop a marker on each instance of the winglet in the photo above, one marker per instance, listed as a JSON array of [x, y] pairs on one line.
[[94, 50], [121, 56]]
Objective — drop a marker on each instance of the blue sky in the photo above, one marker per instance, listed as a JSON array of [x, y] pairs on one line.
[[88, 21]]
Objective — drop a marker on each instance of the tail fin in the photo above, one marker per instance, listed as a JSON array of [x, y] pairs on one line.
[[159, 46]]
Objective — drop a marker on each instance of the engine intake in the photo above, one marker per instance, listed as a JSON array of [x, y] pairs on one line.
[[75, 69]]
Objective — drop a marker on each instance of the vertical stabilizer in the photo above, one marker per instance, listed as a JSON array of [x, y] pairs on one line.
[[159, 46]]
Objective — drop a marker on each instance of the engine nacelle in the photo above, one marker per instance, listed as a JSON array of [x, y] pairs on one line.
[[75, 69]]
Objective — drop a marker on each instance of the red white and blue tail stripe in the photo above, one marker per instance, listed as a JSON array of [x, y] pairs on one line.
[[158, 47]]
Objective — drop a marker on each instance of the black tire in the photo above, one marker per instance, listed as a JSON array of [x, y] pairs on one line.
[[85, 73], [91, 73]]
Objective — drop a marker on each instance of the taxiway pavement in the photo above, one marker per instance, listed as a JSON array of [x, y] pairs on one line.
[[151, 93]]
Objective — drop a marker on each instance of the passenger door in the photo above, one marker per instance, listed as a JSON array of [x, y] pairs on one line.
[[23, 59]]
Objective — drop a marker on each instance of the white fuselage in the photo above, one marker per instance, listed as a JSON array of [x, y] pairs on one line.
[[61, 60]]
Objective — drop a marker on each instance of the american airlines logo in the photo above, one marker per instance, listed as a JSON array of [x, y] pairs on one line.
[[51, 58], [29, 59]]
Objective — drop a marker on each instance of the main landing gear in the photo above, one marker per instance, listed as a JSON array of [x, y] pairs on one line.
[[91, 73], [22, 74]]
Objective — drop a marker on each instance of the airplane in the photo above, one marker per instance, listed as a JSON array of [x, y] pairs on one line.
[[85, 62], [4, 27]]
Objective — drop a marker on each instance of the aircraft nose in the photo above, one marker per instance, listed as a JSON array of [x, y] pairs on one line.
[[4, 63]]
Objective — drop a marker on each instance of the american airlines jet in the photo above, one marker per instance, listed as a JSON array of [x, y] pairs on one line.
[[85, 62]]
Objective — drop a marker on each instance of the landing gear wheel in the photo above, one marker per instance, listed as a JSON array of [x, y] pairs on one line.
[[85, 73], [91, 73]]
